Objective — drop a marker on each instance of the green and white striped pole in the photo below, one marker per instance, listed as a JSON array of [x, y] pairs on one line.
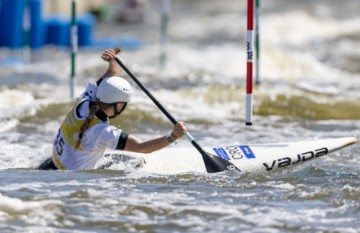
[[26, 53], [165, 9], [74, 47], [257, 40]]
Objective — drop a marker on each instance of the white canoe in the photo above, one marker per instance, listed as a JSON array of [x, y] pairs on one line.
[[256, 158]]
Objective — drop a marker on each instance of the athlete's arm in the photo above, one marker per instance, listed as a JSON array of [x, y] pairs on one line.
[[135, 144], [113, 69]]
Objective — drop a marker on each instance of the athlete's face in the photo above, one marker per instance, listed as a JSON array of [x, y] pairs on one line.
[[117, 109], [120, 105]]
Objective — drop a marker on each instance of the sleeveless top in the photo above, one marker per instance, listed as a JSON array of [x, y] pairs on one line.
[[97, 138]]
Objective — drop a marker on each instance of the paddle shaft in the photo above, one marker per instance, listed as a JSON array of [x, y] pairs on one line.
[[212, 163]]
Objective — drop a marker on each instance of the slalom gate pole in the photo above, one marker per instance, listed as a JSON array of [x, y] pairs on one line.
[[165, 10], [250, 59], [26, 52], [257, 41], [74, 48]]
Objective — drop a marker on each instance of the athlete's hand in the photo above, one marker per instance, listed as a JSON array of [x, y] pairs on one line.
[[108, 55], [179, 130]]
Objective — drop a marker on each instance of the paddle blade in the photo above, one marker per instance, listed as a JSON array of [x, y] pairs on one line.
[[215, 164]]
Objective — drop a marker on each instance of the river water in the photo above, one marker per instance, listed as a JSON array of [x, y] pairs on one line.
[[310, 81]]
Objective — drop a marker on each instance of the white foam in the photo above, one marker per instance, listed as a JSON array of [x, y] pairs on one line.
[[6, 124], [14, 98], [15, 205], [300, 27]]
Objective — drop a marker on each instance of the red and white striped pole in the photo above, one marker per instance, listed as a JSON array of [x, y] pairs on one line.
[[250, 60]]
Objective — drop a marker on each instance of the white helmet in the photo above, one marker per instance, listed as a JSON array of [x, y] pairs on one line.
[[113, 90]]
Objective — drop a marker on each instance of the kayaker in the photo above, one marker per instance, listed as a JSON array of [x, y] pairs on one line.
[[86, 133]]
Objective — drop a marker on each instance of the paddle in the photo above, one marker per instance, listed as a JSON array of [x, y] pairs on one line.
[[212, 163]]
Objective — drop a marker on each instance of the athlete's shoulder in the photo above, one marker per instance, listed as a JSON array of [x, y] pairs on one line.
[[90, 92], [105, 135], [104, 128]]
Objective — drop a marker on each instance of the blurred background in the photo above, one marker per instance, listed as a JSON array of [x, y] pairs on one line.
[[191, 54]]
